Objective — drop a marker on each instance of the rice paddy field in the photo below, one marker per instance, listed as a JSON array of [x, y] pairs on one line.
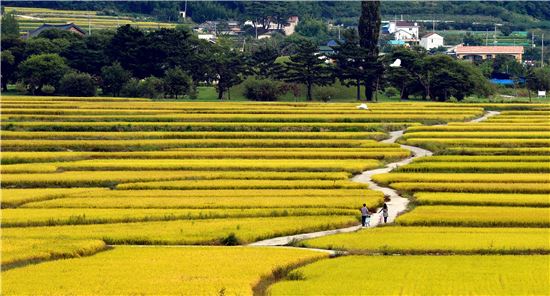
[[482, 201], [30, 18], [167, 189]]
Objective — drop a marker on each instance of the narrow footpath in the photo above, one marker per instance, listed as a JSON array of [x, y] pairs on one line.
[[397, 204]]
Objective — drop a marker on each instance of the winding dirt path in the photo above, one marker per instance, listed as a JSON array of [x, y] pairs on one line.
[[397, 204]]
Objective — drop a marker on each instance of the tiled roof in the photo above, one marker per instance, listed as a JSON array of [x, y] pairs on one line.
[[404, 24], [489, 49], [64, 27]]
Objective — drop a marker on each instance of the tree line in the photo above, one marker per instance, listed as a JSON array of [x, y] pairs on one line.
[[173, 63]]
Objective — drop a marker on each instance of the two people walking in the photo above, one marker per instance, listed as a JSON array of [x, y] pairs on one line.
[[366, 214]]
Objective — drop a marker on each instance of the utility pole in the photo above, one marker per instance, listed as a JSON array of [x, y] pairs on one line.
[[185, 9], [542, 51], [486, 37], [495, 36], [89, 26]]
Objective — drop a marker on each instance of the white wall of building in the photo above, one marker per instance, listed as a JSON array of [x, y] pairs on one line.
[[404, 35], [432, 41]]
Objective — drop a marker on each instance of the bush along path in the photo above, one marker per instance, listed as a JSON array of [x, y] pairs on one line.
[[397, 204]]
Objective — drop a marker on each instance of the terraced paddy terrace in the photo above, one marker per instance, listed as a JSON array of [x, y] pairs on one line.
[[30, 18], [174, 188]]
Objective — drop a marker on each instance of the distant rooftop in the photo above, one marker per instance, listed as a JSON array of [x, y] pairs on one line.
[[489, 49], [64, 27], [405, 24]]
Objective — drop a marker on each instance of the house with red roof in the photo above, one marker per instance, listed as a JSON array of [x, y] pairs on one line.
[[488, 52]]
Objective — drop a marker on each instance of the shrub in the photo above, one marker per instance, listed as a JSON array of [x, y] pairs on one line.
[[76, 84], [325, 93], [391, 92], [262, 90], [151, 87], [230, 240], [131, 88], [193, 93], [47, 89], [21, 88]]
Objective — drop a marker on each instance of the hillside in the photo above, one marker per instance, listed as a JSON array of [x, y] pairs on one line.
[[459, 15]]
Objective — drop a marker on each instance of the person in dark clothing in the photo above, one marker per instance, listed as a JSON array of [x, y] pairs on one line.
[[384, 212]]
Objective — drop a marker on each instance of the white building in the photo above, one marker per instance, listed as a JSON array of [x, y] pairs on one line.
[[404, 35], [208, 37], [431, 40], [408, 30], [288, 28]]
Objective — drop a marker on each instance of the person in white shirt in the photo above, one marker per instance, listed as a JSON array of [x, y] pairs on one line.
[[365, 216]]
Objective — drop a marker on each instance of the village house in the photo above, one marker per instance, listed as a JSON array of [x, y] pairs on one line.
[[231, 28], [404, 30], [475, 53], [431, 40], [288, 28], [71, 27]]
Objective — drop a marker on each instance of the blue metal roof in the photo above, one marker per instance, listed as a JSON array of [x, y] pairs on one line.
[[396, 42]]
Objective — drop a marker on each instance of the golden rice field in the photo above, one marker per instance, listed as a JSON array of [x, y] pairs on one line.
[[182, 271], [438, 239], [477, 216], [226, 231], [105, 181], [487, 199], [30, 18], [421, 275], [17, 252]]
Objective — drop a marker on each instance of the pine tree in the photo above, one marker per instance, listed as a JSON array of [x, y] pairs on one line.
[[369, 31], [10, 26], [308, 67], [351, 61], [228, 68], [263, 62]]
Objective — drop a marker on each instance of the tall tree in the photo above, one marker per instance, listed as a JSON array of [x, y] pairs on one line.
[[89, 54], [405, 78], [351, 61], [177, 82], [263, 62], [369, 31], [10, 26], [114, 77], [165, 49], [8, 68], [126, 47], [308, 67], [11, 46], [538, 79], [228, 68], [42, 69]]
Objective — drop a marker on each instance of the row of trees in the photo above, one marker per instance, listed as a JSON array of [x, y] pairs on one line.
[[172, 63]]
